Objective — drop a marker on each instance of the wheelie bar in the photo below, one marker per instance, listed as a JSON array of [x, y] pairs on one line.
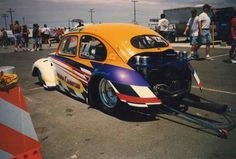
[[219, 127], [201, 103], [231, 111]]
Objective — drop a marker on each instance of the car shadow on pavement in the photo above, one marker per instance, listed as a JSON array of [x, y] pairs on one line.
[[137, 115], [146, 115], [126, 113]]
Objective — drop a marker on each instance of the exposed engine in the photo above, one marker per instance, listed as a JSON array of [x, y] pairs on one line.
[[168, 73]]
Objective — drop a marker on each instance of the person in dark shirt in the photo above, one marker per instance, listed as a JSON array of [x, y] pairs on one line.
[[35, 37], [25, 36], [17, 34]]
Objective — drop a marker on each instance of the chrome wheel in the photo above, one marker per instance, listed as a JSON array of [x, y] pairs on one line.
[[107, 94]]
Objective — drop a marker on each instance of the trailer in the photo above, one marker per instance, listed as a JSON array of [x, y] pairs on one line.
[[219, 16]]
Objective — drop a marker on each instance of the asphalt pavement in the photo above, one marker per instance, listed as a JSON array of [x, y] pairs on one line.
[[68, 128]]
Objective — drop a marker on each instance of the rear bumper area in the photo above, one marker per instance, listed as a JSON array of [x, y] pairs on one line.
[[138, 101], [136, 96]]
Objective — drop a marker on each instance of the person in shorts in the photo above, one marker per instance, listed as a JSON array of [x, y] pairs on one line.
[[205, 33], [35, 37], [25, 37], [46, 34], [193, 27], [17, 34]]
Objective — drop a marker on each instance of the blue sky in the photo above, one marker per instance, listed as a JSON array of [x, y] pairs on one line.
[[58, 12]]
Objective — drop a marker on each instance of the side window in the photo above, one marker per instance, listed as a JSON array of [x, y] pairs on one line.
[[92, 48], [69, 45]]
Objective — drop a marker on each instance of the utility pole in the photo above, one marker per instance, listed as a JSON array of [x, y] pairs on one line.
[[11, 11], [91, 14], [5, 19], [134, 1]]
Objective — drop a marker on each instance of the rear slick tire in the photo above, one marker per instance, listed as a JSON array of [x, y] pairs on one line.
[[107, 96]]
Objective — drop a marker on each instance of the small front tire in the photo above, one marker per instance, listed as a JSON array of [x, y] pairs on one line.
[[42, 82]]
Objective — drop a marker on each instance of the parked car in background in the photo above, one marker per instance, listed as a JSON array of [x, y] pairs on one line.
[[10, 39], [109, 64], [170, 34], [152, 23]]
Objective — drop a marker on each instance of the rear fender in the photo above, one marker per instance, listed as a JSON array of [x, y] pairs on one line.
[[128, 84], [119, 74]]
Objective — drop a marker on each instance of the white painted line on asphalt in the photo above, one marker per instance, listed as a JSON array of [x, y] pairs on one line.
[[215, 90], [28, 99], [219, 56], [36, 88]]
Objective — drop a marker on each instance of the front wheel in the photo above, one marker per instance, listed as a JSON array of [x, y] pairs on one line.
[[40, 79], [42, 82]]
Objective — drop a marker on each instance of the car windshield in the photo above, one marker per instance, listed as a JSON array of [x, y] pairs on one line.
[[148, 41]]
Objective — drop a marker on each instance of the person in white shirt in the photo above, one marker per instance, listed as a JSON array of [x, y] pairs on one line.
[[163, 25], [205, 22], [46, 34], [193, 27]]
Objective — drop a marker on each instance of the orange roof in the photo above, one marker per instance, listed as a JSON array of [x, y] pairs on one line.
[[118, 35]]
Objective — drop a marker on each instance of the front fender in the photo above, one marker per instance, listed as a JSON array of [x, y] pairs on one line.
[[47, 70]]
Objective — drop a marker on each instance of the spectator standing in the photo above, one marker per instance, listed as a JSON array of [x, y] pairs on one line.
[[163, 25], [17, 34], [59, 33], [193, 27], [25, 36], [3, 38], [205, 33], [35, 37], [40, 39], [46, 34], [232, 53], [66, 30]]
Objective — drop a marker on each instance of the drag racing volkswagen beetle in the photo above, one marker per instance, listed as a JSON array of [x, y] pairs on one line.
[[109, 64]]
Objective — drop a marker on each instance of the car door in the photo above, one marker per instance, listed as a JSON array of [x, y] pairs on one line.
[[69, 79]]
